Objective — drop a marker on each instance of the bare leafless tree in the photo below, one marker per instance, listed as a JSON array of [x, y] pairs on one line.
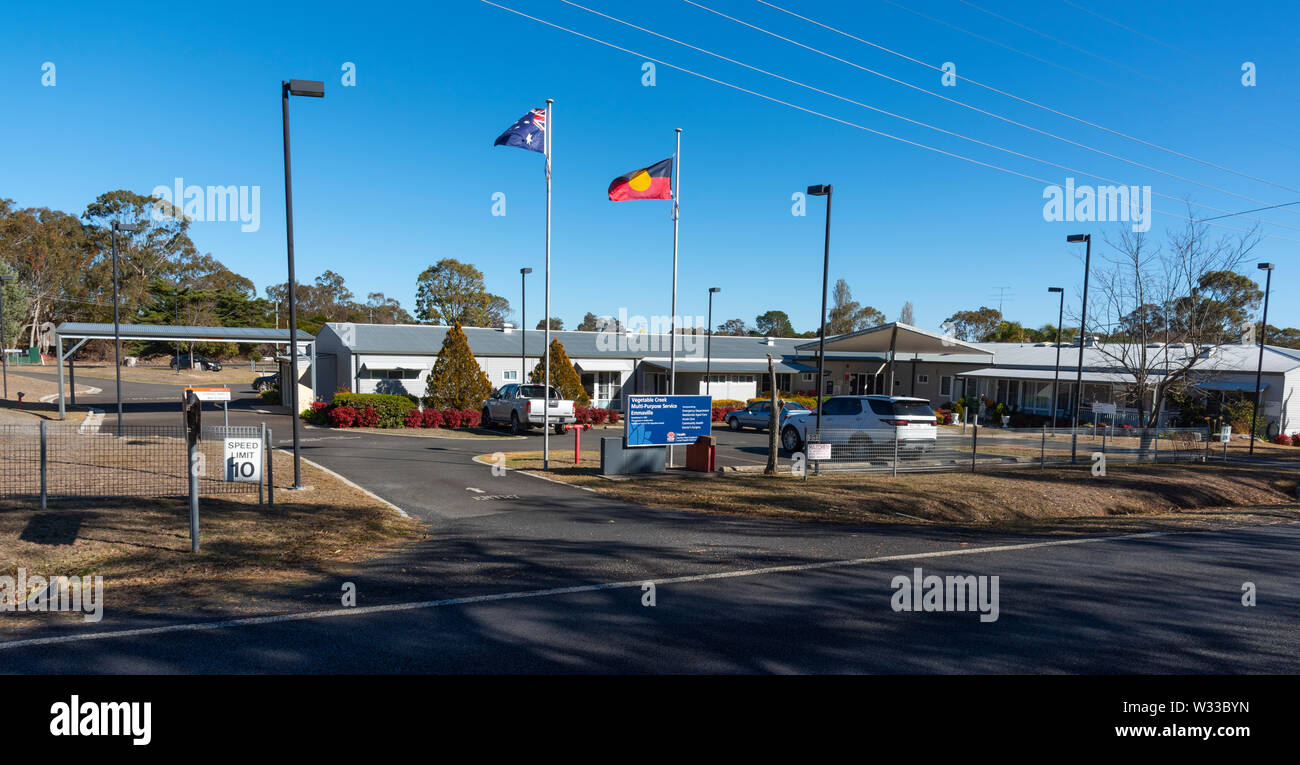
[[1163, 311]]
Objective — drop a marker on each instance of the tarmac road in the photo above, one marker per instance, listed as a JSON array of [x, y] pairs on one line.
[[524, 575]]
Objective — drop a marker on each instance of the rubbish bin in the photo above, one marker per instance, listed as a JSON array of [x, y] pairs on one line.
[[700, 455]]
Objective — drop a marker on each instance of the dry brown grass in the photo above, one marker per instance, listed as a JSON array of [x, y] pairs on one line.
[[252, 556], [33, 410], [1066, 498]]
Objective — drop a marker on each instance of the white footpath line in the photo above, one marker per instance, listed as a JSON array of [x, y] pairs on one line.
[[523, 594], [534, 475], [361, 489], [90, 425]]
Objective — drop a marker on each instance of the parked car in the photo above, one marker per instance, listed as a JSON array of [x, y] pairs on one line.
[[267, 382], [860, 421], [759, 414], [186, 361], [520, 407]]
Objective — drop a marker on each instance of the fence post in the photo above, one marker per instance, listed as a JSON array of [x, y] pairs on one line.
[[259, 483], [974, 444], [194, 498], [895, 451], [44, 494], [1042, 450], [1206, 457], [270, 467]]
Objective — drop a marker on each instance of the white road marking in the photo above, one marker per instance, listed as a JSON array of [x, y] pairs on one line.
[[90, 425], [362, 489], [534, 475], [551, 592], [476, 491]]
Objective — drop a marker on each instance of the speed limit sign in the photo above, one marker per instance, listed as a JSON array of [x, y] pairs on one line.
[[244, 460]]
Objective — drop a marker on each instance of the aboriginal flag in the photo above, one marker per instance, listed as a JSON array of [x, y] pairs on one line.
[[653, 182]]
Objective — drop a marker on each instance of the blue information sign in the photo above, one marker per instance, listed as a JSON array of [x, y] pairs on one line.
[[667, 420]]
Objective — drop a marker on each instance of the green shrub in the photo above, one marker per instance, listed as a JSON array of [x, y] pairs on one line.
[[808, 401], [723, 403], [390, 408], [270, 395]]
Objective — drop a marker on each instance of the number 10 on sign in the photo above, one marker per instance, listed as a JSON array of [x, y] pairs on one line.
[[244, 460]]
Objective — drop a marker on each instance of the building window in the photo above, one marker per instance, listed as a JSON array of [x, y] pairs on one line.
[[945, 385], [510, 375], [808, 377], [923, 379]]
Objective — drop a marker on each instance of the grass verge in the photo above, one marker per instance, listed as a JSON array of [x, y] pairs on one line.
[[1066, 499], [254, 558]]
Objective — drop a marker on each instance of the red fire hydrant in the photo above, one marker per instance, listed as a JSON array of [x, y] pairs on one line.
[[577, 440]]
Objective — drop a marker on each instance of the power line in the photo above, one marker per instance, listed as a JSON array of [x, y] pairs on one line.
[[901, 117], [1137, 32], [1007, 94], [847, 123], [1233, 215], [1075, 72]]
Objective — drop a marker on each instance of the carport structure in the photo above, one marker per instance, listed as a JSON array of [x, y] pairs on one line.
[[81, 332], [895, 338]]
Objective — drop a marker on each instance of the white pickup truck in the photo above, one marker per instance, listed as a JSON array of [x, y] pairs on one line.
[[520, 407]]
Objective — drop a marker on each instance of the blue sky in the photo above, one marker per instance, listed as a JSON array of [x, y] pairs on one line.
[[399, 171]]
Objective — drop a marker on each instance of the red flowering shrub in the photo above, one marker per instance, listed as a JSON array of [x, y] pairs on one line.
[[413, 419], [432, 418], [613, 415], [598, 416], [451, 418], [343, 417], [469, 418], [368, 418], [582, 414], [1282, 440], [1295, 439]]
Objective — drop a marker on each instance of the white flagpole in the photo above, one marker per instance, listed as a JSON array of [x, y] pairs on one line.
[[546, 394], [672, 343]]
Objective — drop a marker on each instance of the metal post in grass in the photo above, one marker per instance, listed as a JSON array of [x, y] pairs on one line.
[[1042, 450], [270, 467], [44, 495], [974, 444], [895, 452], [259, 483], [193, 428]]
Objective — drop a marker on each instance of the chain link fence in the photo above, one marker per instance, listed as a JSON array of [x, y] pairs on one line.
[[63, 460], [973, 448]]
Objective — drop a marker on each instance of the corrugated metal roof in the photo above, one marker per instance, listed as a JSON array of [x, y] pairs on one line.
[[152, 331], [754, 366], [1226, 358], [419, 339]]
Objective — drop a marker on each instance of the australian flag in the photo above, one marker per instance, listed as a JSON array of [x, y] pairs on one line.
[[529, 132]]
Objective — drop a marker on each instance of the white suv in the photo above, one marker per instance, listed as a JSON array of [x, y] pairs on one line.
[[864, 420]]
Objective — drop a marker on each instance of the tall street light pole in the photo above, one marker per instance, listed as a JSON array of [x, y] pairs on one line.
[[1263, 338], [1083, 324], [4, 357], [523, 323], [1056, 376], [824, 190], [117, 326], [708, 343], [311, 89]]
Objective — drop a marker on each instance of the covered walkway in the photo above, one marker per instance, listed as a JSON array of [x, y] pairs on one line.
[[81, 332]]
